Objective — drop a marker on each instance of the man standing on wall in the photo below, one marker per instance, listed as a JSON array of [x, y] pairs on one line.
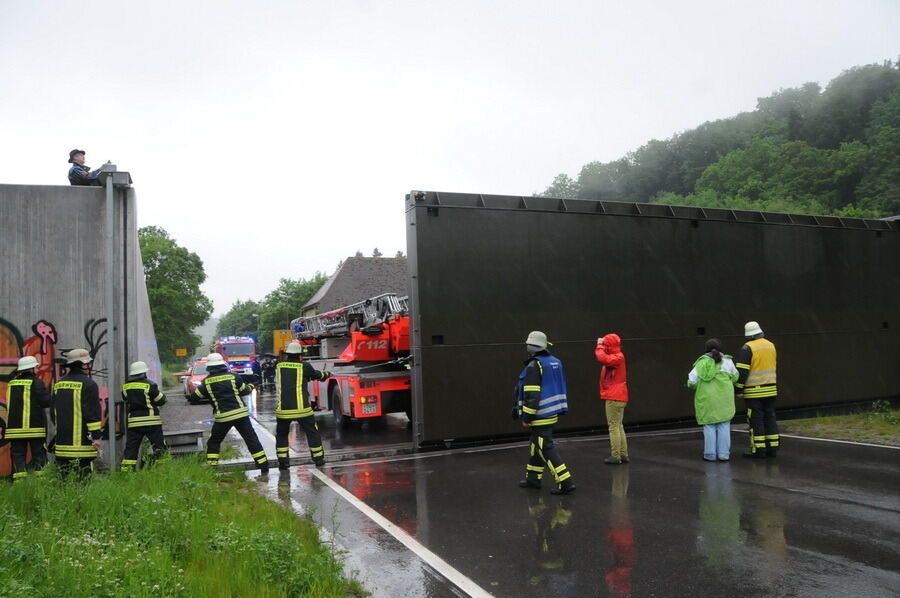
[[226, 391], [540, 400], [756, 384], [26, 426], [79, 174], [292, 376], [614, 392], [75, 409], [142, 400]]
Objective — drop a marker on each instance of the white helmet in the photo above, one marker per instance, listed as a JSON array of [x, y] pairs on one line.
[[214, 359], [752, 329], [294, 349], [78, 355], [138, 367], [537, 339], [27, 363]]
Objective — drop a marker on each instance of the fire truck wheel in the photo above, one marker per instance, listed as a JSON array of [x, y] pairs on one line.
[[340, 420]]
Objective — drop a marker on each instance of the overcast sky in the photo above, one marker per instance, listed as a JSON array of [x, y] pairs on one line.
[[276, 138]]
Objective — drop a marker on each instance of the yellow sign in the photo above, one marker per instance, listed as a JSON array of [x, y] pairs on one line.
[[180, 352], [280, 340]]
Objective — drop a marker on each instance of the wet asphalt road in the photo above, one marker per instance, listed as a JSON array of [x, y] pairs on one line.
[[821, 520]]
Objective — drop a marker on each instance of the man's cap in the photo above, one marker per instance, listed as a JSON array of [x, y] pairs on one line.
[[73, 152], [752, 329], [27, 363], [537, 339], [80, 355]]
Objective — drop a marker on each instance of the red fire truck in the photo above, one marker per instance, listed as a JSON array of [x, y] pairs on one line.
[[239, 352], [365, 346]]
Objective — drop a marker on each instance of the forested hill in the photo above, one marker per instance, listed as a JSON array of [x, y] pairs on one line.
[[803, 150]]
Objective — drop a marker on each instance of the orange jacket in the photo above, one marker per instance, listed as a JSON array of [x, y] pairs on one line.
[[612, 372]]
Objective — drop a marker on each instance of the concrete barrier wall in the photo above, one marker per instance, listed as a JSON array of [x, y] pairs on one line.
[[54, 273]]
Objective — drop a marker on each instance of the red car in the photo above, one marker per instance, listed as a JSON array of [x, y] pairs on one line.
[[192, 380]]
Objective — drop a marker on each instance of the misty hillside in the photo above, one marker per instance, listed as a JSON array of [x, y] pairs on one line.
[[803, 150]]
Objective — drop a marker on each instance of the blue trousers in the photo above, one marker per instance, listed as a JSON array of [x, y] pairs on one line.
[[717, 441]]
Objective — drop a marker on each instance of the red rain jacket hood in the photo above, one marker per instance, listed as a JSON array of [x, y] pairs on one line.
[[612, 372]]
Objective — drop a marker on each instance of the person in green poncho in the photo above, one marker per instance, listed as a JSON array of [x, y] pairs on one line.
[[712, 379]]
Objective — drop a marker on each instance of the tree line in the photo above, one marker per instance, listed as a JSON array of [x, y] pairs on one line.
[[803, 150]]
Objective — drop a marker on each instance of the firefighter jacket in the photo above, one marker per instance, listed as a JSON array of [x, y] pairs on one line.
[[224, 390], [541, 390], [293, 395], [142, 402], [26, 399], [613, 386], [756, 364], [75, 409]]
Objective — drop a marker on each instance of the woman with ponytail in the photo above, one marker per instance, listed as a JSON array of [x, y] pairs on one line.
[[712, 379]]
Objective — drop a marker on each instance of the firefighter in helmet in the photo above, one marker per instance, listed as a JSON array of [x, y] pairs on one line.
[[142, 401], [540, 400], [26, 425], [75, 409], [756, 384], [292, 376], [226, 391]]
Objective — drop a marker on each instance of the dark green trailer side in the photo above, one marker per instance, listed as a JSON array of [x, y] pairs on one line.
[[487, 269]]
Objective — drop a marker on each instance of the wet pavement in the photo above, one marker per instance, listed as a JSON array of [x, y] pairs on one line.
[[821, 520]]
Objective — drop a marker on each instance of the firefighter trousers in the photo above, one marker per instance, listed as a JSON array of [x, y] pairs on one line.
[[543, 453], [18, 450], [763, 427], [245, 429], [76, 467], [313, 439], [133, 444]]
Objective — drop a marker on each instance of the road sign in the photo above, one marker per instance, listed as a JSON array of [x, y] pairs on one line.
[[180, 352]]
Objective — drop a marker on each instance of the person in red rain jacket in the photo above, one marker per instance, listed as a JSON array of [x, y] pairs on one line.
[[613, 390]]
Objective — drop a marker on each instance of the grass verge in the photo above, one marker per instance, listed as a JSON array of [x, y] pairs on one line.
[[880, 425], [177, 529]]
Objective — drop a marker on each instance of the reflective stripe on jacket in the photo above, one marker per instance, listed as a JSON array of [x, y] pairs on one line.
[[75, 408], [142, 400], [541, 390], [26, 398], [224, 390], [291, 379], [757, 365]]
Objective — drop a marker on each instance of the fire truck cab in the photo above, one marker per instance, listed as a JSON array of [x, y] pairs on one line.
[[239, 352]]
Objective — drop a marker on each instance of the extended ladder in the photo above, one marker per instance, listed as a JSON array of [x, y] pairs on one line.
[[356, 316]]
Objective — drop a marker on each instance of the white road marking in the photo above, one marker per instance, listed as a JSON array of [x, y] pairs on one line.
[[841, 441], [434, 561]]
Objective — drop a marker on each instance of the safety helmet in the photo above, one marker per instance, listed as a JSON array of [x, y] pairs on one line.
[[294, 349], [752, 329], [72, 154], [538, 339], [138, 367], [27, 363], [78, 355], [214, 359]]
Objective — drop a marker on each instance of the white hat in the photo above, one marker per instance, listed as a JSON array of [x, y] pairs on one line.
[[537, 339], [138, 367], [752, 329], [214, 359], [81, 355], [26, 363], [294, 348]]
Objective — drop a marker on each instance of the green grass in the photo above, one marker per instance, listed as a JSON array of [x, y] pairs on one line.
[[880, 425], [168, 375], [177, 529]]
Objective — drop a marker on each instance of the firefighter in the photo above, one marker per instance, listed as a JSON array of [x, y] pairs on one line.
[[540, 400], [142, 401], [756, 384], [225, 391], [75, 409], [292, 376], [26, 425]]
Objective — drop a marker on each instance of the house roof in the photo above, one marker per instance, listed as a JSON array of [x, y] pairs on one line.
[[359, 278]]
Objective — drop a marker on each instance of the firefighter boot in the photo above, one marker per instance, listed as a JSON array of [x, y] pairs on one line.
[[533, 475], [565, 487], [319, 461], [284, 464]]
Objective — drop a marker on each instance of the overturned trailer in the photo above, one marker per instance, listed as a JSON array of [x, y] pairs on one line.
[[487, 269]]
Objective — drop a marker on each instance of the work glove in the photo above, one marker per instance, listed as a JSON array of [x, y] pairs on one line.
[[515, 412]]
